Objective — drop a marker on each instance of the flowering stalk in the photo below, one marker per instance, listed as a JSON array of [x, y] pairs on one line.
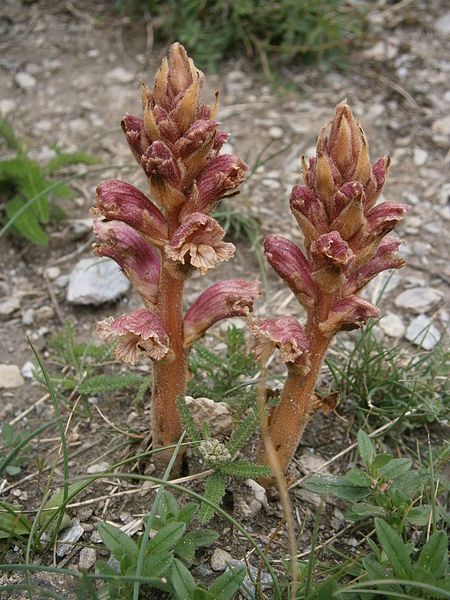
[[160, 240], [344, 248]]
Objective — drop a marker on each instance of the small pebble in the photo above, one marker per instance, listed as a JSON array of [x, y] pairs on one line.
[[87, 558], [10, 376], [219, 559], [25, 81], [9, 306], [421, 332]]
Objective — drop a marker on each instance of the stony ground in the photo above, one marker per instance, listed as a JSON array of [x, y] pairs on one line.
[[67, 75]]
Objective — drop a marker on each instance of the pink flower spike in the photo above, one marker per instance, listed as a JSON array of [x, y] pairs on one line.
[[137, 332], [222, 174], [136, 257], [288, 261], [331, 250], [348, 313], [122, 201], [200, 237], [230, 298], [284, 333], [385, 258]]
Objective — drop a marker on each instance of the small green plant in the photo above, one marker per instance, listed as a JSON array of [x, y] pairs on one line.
[[221, 457], [388, 488], [27, 189], [222, 378], [271, 32], [81, 366], [382, 380], [167, 555], [406, 570], [12, 439]]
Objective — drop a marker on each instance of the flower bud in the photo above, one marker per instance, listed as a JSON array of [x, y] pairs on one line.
[[288, 261], [222, 174], [230, 298], [138, 140], [137, 332], [117, 200], [309, 213], [138, 259]]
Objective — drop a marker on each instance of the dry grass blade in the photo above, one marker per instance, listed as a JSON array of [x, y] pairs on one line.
[[279, 480]]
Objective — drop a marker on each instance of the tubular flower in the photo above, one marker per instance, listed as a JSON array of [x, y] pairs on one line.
[[288, 261], [139, 261], [283, 333], [117, 200], [345, 247], [159, 242], [230, 298], [138, 332], [199, 237]]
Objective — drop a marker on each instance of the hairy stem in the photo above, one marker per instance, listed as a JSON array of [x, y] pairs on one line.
[[170, 373]]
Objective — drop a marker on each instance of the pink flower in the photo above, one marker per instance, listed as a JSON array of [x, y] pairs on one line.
[[230, 298], [288, 261], [117, 200], [137, 138], [199, 237], [222, 174], [386, 257], [138, 259], [284, 333], [348, 313], [309, 212], [137, 332]]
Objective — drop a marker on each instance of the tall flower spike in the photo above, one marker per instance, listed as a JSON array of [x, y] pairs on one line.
[[160, 241], [345, 248]]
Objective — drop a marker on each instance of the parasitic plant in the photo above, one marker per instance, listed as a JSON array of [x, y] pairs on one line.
[[160, 240], [344, 233]]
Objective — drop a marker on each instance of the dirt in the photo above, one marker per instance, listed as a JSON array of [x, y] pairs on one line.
[[73, 52]]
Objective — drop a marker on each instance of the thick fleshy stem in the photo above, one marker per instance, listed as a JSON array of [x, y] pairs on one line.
[[291, 415]]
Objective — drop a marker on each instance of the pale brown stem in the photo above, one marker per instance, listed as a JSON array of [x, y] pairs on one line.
[[290, 416], [170, 373]]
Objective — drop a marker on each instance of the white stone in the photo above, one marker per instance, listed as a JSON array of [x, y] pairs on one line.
[[219, 559], [69, 537], [28, 317], [383, 50], [276, 133], [10, 376], [96, 281], [87, 558], [441, 126], [227, 148], [28, 370], [53, 272], [418, 299], [423, 333], [9, 306], [119, 75], [216, 414], [442, 24], [392, 325], [7, 105], [312, 463], [98, 467], [420, 156], [25, 80]]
